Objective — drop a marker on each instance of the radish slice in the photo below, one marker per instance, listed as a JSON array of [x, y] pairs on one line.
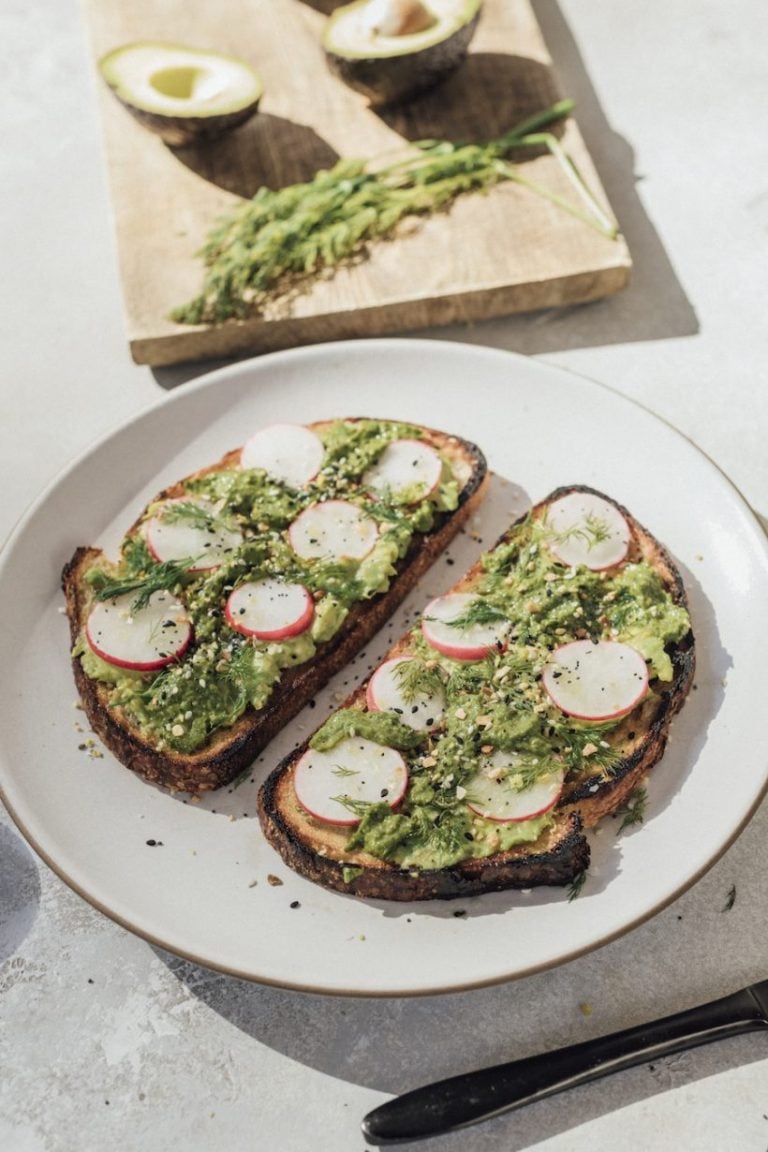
[[384, 694], [288, 452], [405, 465], [270, 609], [596, 681], [357, 769], [169, 539], [495, 793], [588, 530], [335, 530], [142, 639], [472, 642]]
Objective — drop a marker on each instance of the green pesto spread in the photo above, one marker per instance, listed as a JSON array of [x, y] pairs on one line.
[[223, 673], [499, 703]]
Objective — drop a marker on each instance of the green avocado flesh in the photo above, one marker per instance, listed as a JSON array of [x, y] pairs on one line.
[[365, 47], [182, 93], [499, 703], [224, 673]]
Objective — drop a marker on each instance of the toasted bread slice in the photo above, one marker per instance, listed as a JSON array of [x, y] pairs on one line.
[[596, 787], [231, 749]]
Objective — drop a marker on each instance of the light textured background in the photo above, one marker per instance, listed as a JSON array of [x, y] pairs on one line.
[[107, 1042]]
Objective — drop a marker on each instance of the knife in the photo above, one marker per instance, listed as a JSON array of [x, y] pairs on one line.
[[449, 1104]]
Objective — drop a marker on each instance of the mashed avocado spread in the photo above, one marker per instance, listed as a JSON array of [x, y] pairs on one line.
[[224, 672], [498, 704]]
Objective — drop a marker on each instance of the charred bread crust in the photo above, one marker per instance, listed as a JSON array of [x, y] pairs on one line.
[[561, 853], [231, 750]]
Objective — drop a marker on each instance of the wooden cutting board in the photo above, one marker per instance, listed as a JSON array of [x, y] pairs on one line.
[[489, 255]]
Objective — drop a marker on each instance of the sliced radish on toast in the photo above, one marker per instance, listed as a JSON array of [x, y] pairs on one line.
[[599, 681], [385, 694], [142, 639], [334, 530], [291, 453], [170, 535], [586, 529], [444, 631], [405, 466], [356, 771], [496, 792], [270, 609]]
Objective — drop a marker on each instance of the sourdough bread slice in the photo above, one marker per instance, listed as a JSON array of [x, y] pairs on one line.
[[230, 749], [606, 763]]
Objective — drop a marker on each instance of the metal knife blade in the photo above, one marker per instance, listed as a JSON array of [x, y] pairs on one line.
[[473, 1096]]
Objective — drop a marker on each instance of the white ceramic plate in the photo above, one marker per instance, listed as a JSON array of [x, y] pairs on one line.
[[202, 891]]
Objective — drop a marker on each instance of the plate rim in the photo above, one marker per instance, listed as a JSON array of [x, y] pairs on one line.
[[211, 378]]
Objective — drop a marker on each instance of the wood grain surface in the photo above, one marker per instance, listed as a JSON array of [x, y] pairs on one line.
[[488, 255]]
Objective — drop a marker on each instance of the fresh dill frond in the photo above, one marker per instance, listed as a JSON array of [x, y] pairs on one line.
[[633, 812], [415, 677], [576, 885], [356, 807], [480, 612], [591, 530], [381, 510], [340, 770], [160, 578], [469, 677], [206, 519]]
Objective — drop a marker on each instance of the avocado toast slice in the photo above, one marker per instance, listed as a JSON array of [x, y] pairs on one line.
[[241, 589], [528, 705]]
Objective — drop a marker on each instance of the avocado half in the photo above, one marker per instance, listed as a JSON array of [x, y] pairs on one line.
[[182, 94], [391, 50]]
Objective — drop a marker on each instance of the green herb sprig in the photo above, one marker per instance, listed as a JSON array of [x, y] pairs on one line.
[[592, 531], [187, 512], [576, 885], [479, 611], [161, 578], [633, 812], [285, 236], [414, 677]]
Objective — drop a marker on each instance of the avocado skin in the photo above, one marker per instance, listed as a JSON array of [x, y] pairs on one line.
[[180, 131], [390, 79]]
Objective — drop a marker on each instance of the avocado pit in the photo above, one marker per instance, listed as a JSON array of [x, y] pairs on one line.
[[391, 50], [399, 17]]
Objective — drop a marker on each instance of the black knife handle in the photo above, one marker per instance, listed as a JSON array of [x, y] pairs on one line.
[[462, 1100]]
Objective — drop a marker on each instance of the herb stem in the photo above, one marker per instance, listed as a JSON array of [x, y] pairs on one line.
[[575, 178], [283, 237]]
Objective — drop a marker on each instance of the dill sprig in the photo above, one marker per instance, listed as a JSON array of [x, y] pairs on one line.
[[592, 530], [389, 513], [480, 612], [633, 812], [414, 677], [286, 236], [161, 578], [206, 519], [576, 885], [357, 807], [469, 677]]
